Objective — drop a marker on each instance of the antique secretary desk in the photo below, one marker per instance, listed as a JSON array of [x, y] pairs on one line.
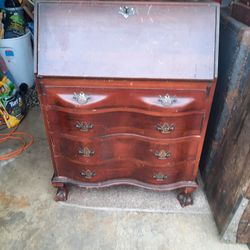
[[125, 90]]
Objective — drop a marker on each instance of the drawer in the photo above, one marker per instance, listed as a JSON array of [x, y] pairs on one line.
[[125, 147], [94, 99], [124, 169], [156, 126]]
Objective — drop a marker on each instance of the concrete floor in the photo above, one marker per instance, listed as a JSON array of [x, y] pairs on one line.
[[116, 218]]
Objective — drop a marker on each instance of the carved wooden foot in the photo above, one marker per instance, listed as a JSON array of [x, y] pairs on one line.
[[185, 197], [61, 194]]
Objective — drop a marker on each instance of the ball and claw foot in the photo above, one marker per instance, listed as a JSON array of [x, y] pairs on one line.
[[185, 199], [61, 194]]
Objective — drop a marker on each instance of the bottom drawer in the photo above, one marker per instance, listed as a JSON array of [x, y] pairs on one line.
[[118, 169]]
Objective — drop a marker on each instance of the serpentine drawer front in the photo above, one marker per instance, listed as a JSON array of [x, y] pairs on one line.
[[158, 100], [124, 171], [144, 149], [126, 90], [155, 125]]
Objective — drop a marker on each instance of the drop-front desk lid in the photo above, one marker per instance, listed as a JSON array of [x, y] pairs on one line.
[[160, 40]]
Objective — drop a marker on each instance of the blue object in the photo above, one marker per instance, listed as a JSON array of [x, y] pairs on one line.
[[9, 53], [31, 27], [1, 4]]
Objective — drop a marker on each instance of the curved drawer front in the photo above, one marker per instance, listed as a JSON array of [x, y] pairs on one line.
[[162, 100], [82, 125], [121, 169], [104, 149]]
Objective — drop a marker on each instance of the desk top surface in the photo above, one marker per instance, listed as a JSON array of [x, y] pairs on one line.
[[149, 40]]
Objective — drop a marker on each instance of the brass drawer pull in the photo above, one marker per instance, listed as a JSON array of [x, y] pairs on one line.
[[162, 154], [160, 177], [86, 152], [126, 11], [84, 126], [81, 98], [167, 100], [88, 174], [165, 128]]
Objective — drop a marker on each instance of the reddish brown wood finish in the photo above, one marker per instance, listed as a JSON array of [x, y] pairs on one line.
[[67, 122], [143, 149], [128, 169], [105, 95], [133, 99], [185, 196], [62, 192], [114, 83], [160, 40], [123, 134]]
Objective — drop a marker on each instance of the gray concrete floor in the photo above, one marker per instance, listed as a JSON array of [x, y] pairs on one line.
[[116, 218]]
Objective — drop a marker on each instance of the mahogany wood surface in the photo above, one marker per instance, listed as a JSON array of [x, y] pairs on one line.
[[126, 146], [160, 40], [57, 181], [126, 100], [122, 83], [129, 169], [69, 122], [106, 98]]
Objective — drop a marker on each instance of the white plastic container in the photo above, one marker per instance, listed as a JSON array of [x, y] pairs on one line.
[[18, 56]]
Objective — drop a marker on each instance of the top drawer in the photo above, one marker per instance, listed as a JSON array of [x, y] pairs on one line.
[[96, 99]]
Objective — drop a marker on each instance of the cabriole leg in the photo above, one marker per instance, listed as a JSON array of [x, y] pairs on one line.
[[62, 193], [185, 197]]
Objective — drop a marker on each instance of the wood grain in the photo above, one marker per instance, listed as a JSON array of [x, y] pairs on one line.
[[125, 146], [139, 73], [128, 169], [105, 123], [107, 98], [243, 234], [231, 170], [161, 40], [126, 116]]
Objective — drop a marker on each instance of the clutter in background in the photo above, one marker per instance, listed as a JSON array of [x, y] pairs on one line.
[[16, 62], [16, 45], [12, 110], [1, 26], [30, 98], [28, 6], [2, 123], [12, 106], [18, 56], [25, 140], [14, 21], [16, 74], [14, 100], [5, 70]]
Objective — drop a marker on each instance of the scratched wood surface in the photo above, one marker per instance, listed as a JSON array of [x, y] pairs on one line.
[[243, 234], [241, 11], [160, 40], [171, 47], [226, 157]]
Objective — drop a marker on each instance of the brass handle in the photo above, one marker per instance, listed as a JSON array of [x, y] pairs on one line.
[[84, 126], [81, 98], [160, 177], [88, 174], [167, 100], [162, 154], [165, 128], [86, 152], [126, 11]]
